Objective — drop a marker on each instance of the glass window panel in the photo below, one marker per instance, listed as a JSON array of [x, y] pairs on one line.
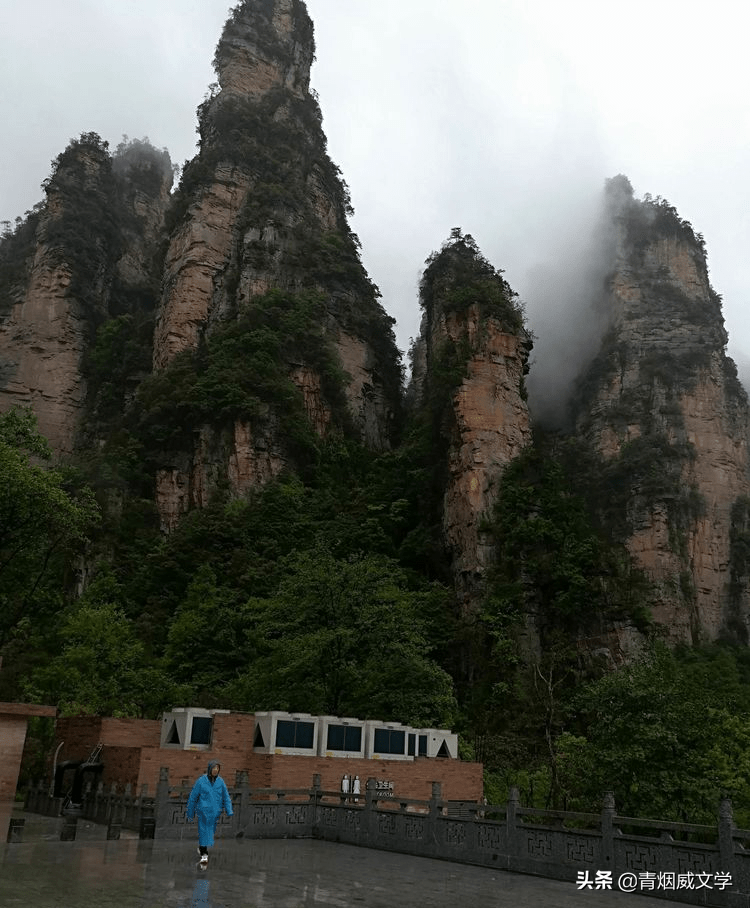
[[305, 735], [398, 742], [353, 737], [285, 733], [294, 734], [335, 737], [201, 730], [389, 741]]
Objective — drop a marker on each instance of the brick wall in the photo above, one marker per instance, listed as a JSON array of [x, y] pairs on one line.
[[131, 753], [121, 765], [233, 734], [12, 737], [260, 772], [121, 740], [13, 723], [411, 779], [130, 732], [185, 765], [78, 736], [232, 743], [81, 734]]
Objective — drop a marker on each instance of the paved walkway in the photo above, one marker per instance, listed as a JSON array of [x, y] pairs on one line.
[[43, 872]]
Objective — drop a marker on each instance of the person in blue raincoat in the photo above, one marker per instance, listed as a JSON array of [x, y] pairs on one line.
[[208, 798]]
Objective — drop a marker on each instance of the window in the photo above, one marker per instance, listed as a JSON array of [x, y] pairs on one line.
[[344, 737], [200, 733], [389, 741], [423, 745], [295, 734]]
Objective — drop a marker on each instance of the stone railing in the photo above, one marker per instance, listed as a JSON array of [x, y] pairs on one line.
[[117, 808], [697, 864]]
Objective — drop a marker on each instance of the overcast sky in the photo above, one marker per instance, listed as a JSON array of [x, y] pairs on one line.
[[501, 117]]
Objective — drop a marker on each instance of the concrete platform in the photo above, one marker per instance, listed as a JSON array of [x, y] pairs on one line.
[[43, 872]]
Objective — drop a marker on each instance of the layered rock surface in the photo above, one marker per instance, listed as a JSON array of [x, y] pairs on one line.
[[471, 326], [90, 254], [492, 427], [263, 208], [663, 406]]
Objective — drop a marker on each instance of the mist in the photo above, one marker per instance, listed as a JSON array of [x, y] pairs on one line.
[[567, 312]]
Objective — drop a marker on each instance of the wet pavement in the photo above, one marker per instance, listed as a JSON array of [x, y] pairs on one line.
[[41, 871]]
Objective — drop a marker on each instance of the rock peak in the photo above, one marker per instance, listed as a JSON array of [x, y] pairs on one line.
[[468, 368], [266, 44], [662, 406]]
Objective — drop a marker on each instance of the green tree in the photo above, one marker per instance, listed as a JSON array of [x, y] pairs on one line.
[[347, 637], [101, 667], [44, 524], [670, 741], [207, 645]]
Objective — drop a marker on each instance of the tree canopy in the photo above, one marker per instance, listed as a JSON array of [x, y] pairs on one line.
[[44, 524]]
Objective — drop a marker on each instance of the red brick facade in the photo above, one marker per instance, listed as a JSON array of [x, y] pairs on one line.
[[12, 737], [122, 742], [411, 779], [13, 721], [131, 753]]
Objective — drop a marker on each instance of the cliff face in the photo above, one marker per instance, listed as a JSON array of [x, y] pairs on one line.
[[245, 297], [663, 406], [469, 364], [88, 254], [262, 208], [492, 427]]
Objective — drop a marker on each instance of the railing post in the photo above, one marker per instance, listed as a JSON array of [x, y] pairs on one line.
[[726, 838], [315, 801], [68, 832], [242, 787], [15, 829], [370, 818], [436, 796], [147, 814], [511, 821], [608, 831], [161, 802], [315, 792]]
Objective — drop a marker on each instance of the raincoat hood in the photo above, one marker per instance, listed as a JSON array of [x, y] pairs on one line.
[[211, 764]]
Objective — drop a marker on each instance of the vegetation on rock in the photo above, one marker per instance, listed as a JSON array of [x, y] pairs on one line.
[[328, 589], [459, 277]]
